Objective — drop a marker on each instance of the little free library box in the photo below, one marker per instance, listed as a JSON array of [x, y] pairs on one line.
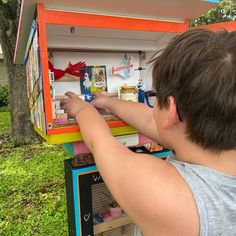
[[57, 37], [87, 46]]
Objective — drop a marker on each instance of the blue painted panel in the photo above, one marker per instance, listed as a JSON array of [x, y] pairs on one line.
[[30, 39], [162, 154], [84, 170], [215, 1], [76, 196], [76, 203]]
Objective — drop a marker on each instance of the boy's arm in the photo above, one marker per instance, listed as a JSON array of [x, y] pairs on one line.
[[137, 115], [149, 190]]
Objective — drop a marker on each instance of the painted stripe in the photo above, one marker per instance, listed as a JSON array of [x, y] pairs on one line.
[[76, 202], [112, 22], [162, 154], [76, 173], [229, 26], [215, 1], [76, 136], [30, 40]]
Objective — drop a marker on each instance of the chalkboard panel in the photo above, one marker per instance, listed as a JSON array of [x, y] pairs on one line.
[[85, 182]]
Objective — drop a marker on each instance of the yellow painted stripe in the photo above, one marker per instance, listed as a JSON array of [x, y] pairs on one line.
[[76, 136]]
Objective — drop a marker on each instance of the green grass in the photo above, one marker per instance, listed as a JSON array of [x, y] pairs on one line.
[[32, 189], [4, 122], [5, 108]]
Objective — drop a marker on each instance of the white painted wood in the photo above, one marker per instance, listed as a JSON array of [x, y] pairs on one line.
[[105, 39], [129, 140], [61, 60], [167, 10]]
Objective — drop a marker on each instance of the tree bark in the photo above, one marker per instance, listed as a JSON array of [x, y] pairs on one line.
[[21, 128]]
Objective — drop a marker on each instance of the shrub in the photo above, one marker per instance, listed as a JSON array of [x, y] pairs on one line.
[[4, 95]]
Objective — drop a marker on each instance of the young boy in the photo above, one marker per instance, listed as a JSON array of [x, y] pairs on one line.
[[194, 191]]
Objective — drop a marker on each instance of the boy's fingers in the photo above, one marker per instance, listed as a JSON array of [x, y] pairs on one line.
[[94, 102], [64, 101], [71, 94], [97, 94]]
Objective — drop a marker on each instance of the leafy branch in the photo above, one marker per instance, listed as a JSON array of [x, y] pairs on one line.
[[225, 11]]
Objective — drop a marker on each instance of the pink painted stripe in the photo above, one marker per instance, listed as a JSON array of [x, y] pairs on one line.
[[143, 140], [80, 147]]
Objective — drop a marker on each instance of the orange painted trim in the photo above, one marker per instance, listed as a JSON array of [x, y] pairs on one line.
[[63, 130], [44, 63], [87, 172], [230, 26], [112, 22], [72, 129]]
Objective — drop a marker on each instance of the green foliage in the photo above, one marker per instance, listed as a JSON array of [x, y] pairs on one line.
[[32, 190], [4, 95], [2, 109], [4, 122], [225, 11]]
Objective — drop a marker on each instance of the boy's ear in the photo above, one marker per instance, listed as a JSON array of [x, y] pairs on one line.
[[172, 116]]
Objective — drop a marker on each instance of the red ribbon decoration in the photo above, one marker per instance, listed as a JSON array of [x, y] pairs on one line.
[[71, 69]]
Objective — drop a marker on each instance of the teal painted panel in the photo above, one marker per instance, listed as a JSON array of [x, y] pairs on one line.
[[69, 147], [215, 1], [162, 154]]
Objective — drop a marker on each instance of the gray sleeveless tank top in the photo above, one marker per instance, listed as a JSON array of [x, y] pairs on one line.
[[215, 197]]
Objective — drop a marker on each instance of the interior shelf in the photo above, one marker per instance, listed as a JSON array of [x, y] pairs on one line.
[[115, 223]]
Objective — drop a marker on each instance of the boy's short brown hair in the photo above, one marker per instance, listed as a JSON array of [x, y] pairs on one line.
[[198, 68]]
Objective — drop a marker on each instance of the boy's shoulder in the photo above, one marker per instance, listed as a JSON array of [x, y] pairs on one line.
[[166, 199], [214, 194]]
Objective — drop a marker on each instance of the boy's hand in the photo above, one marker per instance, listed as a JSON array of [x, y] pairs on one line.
[[101, 102], [72, 105]]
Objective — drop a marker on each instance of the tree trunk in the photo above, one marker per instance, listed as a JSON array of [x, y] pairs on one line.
[[21, 128]]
